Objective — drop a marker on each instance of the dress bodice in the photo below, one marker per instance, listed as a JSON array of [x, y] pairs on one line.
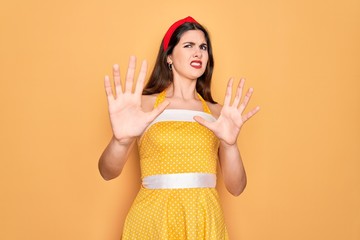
[[175, 143]]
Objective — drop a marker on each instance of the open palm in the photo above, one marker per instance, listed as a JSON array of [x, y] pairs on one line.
[[128, 120], [227, 126]]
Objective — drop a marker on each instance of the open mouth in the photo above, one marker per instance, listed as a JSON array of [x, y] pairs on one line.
[[196, 64]]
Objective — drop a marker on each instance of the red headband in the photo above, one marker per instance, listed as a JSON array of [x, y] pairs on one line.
[[172, 29]]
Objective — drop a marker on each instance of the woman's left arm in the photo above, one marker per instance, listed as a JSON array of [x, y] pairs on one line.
[[232, 168], [227, 128]]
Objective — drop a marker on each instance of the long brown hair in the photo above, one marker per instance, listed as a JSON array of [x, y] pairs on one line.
[[161, 77]]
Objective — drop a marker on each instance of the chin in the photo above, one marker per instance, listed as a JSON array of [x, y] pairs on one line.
[[198, 74]]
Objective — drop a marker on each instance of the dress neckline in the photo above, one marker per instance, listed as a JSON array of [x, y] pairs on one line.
[[161, 97]]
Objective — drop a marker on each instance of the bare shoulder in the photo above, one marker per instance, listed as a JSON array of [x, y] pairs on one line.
[[147, 102], [215, 109]]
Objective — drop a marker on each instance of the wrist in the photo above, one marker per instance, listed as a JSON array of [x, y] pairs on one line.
[[122, 141], [226, 145]]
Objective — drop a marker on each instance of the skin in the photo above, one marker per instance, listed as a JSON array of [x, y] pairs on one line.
[[189, 59]]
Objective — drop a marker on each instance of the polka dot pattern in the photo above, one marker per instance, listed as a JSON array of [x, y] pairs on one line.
[[169, 214], [178, 147]]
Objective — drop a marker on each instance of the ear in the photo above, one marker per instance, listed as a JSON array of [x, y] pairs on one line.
[[168, 59]]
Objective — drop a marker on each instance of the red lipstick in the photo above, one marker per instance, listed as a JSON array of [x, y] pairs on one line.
[[196, 64]]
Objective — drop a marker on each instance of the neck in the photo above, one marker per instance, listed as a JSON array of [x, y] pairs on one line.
[[183, 89]]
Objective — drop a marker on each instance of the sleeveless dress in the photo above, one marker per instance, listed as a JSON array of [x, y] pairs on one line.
[[174, 143]]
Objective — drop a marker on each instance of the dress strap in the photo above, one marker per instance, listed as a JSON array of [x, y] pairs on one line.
[[205, 106], [160, 98]]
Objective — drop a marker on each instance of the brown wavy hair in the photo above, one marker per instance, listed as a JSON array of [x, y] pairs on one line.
[[161, 77]]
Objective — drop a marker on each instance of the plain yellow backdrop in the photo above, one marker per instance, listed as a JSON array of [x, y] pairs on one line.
[[301, 151]]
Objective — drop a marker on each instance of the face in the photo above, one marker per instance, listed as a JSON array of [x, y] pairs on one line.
[[190, 55]]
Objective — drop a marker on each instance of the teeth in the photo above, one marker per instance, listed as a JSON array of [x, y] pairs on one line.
[[195, 64]]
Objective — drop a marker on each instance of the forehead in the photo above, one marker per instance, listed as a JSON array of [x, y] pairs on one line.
[[193, 36]]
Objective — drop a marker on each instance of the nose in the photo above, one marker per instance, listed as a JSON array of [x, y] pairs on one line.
[[197, 52]]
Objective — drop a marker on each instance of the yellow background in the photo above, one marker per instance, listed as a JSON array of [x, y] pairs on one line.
[[301, 151]]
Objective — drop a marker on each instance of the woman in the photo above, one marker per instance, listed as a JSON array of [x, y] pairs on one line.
[[182, 133]]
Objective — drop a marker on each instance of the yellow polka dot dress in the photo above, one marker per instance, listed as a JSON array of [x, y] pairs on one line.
[[173, 144]]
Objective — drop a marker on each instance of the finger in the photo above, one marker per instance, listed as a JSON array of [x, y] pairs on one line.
[[246, 100], [108, 88], [238, 93], [250, 114], [141, 78], [203, 122], [117, 81], [130, 74], [158, 110], [228, 92]]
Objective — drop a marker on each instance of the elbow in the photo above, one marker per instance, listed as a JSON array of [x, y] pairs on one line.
[[108, 174], [107, 177], [237, 191], [238, 188]]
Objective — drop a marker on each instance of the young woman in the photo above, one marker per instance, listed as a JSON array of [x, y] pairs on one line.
[[182, 134]]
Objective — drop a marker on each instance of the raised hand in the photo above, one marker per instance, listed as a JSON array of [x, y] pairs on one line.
[[227, 126], [128, 120]]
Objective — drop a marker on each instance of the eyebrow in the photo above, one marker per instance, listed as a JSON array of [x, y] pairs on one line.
[[192, 43]]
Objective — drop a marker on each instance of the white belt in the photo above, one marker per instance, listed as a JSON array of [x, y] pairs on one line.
[[180, 180]]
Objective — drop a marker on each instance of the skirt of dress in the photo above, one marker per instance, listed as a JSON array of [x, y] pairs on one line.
[[169, 214]]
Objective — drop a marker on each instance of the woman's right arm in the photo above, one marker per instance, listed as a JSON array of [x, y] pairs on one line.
[[114, 157], [127, 117]]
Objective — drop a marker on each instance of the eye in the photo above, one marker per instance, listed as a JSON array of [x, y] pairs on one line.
[[203, 47], [187, 46]]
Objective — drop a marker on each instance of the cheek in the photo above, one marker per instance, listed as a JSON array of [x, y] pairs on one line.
[[206, 58], [206, 55]]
